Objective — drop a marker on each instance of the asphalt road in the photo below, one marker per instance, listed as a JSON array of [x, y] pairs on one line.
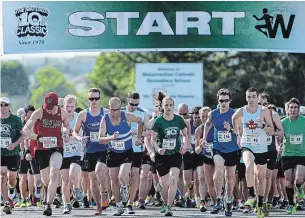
[[35, 212]]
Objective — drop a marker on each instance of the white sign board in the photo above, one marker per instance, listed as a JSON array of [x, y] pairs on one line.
[[182, 81]]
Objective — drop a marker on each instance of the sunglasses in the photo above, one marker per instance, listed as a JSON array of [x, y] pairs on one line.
[[114, 110], [131, 104], [182, 114], [4, 105], [224, 100], [96, 99]]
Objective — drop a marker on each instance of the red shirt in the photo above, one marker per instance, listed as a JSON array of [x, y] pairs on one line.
[[50, 126]]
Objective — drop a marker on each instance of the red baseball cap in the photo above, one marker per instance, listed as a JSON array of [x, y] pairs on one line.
[[50, 101]]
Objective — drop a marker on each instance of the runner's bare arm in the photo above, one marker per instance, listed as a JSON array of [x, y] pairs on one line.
[[268, 128], [154, 140], [147, 142], [198, 147], [207, 126], [132, 118], [27, 129], [235, 118], [78, 125], [188, 126], [147, 124], [65, 122], [278, 124], [185, 134], [103, 139]]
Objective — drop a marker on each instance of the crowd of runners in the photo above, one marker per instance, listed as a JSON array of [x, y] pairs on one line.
[[250, 159]]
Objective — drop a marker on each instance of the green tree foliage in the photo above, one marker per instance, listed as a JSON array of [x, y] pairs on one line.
[[14, 79], [49, 79], [281, 75]]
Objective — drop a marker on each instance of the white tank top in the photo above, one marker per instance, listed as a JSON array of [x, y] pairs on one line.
[[73, 147], [254, 137]]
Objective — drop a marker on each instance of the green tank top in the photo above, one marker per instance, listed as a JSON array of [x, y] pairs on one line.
[[294, 136], [169, 133]]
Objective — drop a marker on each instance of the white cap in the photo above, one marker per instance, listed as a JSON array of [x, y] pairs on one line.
[[20, 112], [5, 99]]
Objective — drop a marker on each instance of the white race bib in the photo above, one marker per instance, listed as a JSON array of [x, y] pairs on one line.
[[5, 142], [169, 144], [118, 145], [252, 139], [269, 139], [94, 136], [71, 147], [192, 139], [296, 139], [209, 147], [49, 142], [224, 136]]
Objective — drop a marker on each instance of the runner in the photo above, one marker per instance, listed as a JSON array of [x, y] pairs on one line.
[[152, 153], [71, 164], [196, 163], [94, 161], [138, 151], [166, 141], [53, 124], [28, 164], [207, 169], [185, 184], [116, 125], [272, 154], [293, 153], [263, 99], [11, 137], [225, 149], [256, 122]]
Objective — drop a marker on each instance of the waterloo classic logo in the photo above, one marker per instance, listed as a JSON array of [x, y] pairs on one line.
[[32, 21], [272, 23]]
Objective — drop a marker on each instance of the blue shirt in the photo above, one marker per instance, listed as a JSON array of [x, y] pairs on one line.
[[124, 141]]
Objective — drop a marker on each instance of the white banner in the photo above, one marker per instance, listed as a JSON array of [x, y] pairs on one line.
[[182, 81]]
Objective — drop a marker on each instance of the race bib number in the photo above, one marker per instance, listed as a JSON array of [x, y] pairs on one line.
[[49, 142], [252, 139], [192, 139], [118, 145], [296, 139], [94, 136], [209, 147], [269, 140], [169, 144], [71, 147], [5, 142], [224, 136]]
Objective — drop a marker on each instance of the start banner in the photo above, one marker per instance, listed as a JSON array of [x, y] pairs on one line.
[[54, 26]]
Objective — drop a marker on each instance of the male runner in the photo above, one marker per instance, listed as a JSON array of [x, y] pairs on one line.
[[71, 164], [115, 129], [53, 126], [138, 151], [11, 126], [293, 153], [205, 171], [256, 123], [94, 161], [28, 164], [225, 149]]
